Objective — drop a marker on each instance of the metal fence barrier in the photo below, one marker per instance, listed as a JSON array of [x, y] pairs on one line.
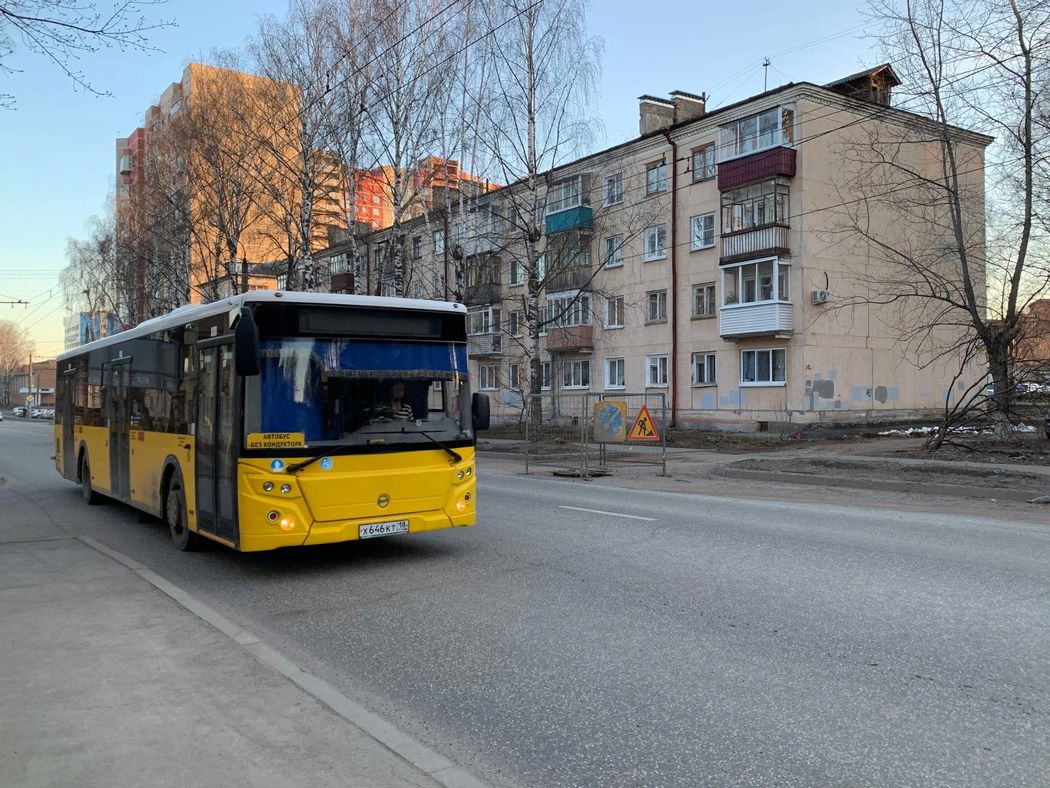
[[585, 434]]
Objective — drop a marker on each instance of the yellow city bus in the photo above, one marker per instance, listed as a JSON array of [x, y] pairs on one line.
[[274, 419]]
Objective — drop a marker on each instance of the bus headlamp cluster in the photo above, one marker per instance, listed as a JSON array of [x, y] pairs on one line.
[[464, 473], [285, 488]]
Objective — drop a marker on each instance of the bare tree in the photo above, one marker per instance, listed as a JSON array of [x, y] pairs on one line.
[[223, 160], [307, 146], [414, 65], [956, 280], [533, 118], [63, 31], [15, 347], [98, 277]]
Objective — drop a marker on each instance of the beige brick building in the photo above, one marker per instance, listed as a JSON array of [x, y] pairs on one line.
[[710, 258]]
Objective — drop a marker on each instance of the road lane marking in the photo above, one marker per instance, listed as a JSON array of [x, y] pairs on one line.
[[611, 514]]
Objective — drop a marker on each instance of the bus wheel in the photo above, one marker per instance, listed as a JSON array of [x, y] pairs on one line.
[[92, 497], [181, 535]]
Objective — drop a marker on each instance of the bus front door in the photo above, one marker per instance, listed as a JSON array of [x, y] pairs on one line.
[[115, 374], [216, 440]]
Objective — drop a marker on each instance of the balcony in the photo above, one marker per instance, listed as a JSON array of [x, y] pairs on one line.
[[487, 293], [480, 243], [766, 318], [343, 283], [573, 278], [485, 344], [768, 241], [762, 166], [569, 339], [579, 218]]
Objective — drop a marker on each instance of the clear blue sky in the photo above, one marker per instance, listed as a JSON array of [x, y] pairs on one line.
[[58, 143]]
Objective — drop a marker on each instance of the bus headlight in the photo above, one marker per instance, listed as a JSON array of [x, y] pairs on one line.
[[459, 475], [461, 506], [286, 488], [469, 471], [286, 524], [273, 516], [267, 486]]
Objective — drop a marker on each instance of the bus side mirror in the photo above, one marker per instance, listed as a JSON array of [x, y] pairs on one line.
[[246, 343], [479, 408]]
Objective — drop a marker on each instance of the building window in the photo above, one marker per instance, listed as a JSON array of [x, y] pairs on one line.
[[655, 241], [751, 283], [483, 320], [488, 377], [576, 374], [702, 231], [767, 129], [614, 377], [704, 162], [704, 300], [614, 312], [569, 310], [545, 374], [565, 194], [613, 257], [656, 306], [760, 367], [656, 177], [514, 376], [613, 189], [515, 272], [656, 370], [375, 198], [416, 290], [439, 241], [757, 205], [703, 369], [417, 247], [516, 322]]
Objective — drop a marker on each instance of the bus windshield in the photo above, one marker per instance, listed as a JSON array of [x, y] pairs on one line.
[[360, 392]]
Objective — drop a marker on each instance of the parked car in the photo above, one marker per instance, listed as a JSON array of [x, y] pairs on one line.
[[1, 416], [35, 413], [20, 410]]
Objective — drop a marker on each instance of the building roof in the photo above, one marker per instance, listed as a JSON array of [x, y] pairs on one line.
[[866, 74]]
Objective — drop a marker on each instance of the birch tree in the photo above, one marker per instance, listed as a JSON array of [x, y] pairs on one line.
[[534, 117]]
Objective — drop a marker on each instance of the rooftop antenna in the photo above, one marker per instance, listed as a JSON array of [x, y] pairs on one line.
[[765, 74]]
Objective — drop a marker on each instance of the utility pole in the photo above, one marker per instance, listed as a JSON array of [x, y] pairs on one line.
[[31, 400], [765, 74]]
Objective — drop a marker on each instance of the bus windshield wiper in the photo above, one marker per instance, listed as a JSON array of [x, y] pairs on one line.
[[455, 454], [295, 467]]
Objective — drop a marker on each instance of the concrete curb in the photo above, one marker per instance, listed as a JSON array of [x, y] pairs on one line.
[[426, 760], [923, 488]]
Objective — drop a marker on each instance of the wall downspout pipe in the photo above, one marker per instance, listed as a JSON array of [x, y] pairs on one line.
[[674, 278]]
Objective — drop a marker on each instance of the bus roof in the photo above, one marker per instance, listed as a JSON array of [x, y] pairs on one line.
[[191, 312]]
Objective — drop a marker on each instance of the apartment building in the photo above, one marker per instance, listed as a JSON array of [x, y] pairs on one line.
[[209, 163], [709, 259]]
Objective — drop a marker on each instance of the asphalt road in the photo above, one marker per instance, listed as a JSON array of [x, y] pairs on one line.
[[592, 636]]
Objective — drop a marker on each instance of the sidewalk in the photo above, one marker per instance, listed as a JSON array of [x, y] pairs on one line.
[[108, 682]]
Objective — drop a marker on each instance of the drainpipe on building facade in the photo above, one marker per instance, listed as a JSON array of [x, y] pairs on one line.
[[674, 278]]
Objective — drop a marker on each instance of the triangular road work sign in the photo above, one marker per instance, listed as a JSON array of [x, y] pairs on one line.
[[644, 429]]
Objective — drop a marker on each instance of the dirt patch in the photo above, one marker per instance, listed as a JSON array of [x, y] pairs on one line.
[[889, 471], [1025, 452]]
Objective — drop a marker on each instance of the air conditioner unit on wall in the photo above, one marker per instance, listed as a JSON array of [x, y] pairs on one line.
[[820, 296]]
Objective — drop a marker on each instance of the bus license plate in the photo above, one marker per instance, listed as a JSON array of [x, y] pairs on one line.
[[372, 530]]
